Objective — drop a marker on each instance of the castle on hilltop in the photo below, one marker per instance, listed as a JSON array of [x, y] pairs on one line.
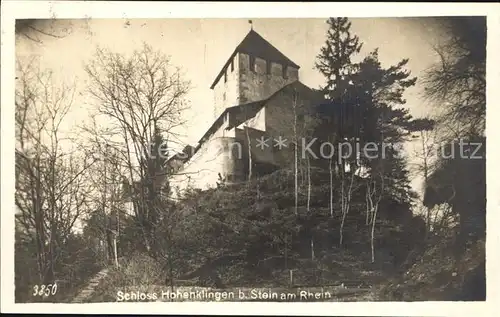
[[256, 94]]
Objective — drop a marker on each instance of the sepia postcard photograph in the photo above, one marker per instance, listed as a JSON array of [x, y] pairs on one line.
[[232, 156]]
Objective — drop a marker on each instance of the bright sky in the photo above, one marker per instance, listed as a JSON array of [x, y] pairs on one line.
[[201, 47]]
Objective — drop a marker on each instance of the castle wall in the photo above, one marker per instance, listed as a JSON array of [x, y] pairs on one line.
[[226, 91], [258, 84], [217, 155], [260, 153], [280, 120]]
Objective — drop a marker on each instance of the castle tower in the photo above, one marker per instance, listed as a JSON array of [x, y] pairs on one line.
[[254, 71]]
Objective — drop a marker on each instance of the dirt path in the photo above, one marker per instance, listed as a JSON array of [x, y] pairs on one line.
[[88, 290]]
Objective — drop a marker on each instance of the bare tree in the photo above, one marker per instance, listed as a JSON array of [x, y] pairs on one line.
[[107, 180], [141, 96], [330, 172], [425, 154], [250, 162], [51, 192], [345, 195], [457, 84], [295, 152], [376, 193], [374, 196]]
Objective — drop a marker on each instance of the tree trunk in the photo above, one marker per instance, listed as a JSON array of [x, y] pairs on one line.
[[375, 211], [39, 220], [308, 185], [346, 201], [115, 251], [330, 169], [286, 251], [296, 154], [372, 242], [249, 154], [312, 247], [368, 203], [426, 177], [109, 246]]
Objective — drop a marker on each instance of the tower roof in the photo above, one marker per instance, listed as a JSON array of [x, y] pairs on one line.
[[254, 44]]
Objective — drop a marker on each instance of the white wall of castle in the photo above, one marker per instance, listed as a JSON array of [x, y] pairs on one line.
[[219, 154], [226, 91]]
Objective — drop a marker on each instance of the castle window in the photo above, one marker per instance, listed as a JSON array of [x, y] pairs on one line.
[[232, 65], [252, 63], [225, 76], [268, 67], [284, 71]]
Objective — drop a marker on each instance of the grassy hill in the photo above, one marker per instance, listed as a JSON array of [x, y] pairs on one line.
[[249, 235]]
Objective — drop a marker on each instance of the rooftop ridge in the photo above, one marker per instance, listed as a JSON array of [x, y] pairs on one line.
[[254, 44]]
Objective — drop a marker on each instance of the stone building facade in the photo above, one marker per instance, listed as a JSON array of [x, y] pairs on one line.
[[256, 97]]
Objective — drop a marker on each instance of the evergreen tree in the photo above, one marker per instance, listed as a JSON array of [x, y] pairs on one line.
[[384, 121], [365, 105], [335, 63], [379, 95], [334, 60]]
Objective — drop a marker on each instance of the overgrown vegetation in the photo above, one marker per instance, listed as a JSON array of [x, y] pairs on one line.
[[351, 221], [454, 260]]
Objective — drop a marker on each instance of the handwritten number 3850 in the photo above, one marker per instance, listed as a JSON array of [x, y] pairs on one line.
[[44, 290]]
